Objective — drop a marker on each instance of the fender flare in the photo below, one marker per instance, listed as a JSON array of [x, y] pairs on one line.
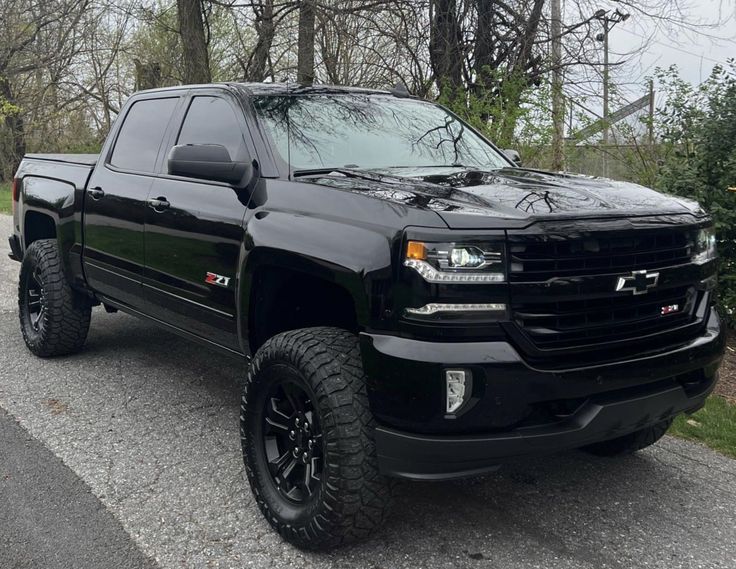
[[345, 255]]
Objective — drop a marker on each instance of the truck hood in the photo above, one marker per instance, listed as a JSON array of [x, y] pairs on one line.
[[475, 199]]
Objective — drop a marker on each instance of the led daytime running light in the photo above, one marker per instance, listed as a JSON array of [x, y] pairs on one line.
[[435, 308], [432, 275]]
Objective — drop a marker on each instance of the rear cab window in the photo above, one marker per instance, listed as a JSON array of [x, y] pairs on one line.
[[141, 134]]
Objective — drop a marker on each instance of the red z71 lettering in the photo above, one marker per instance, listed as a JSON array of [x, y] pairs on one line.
[[219, 280]]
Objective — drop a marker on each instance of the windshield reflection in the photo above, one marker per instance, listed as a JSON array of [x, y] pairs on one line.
[[370, 131]]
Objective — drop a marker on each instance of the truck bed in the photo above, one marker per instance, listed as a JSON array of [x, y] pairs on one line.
[[82, 159]]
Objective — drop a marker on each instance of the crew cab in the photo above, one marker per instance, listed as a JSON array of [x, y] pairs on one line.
[[406, 300]]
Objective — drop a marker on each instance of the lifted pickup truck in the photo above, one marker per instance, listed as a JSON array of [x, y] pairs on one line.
[[407, 301]]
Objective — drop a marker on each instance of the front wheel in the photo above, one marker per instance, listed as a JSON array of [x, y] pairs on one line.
[[54, 318], [629, 444], [307, 437]]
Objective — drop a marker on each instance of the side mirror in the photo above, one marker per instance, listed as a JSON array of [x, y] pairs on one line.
[[208, 162], [514, 156]]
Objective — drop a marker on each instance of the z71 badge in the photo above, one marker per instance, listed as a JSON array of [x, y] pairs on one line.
[[219, 280]]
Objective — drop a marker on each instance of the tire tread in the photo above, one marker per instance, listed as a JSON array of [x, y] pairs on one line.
[[68, 312], [355, 497]]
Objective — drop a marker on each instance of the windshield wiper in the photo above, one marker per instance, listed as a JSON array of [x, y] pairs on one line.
[[317, 171], [428, 166], [348, 172]]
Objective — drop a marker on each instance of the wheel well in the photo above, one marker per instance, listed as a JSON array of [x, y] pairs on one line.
[[283, 299], [38, 226]]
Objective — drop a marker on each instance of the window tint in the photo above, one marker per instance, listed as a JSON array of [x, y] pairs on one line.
[[211, 120], [371, 132], [141, 134]]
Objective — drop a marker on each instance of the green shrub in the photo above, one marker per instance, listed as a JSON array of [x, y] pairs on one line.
[[699, 127]]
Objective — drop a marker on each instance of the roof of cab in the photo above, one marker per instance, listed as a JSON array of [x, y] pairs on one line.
[[274, 89]]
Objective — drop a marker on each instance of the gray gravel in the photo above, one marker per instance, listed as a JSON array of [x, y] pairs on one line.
[[149, 422]]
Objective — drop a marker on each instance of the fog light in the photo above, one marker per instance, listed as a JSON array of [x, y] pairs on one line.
[[456, 388]]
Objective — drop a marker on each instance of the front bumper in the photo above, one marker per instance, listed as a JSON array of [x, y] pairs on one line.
[[518, 410]]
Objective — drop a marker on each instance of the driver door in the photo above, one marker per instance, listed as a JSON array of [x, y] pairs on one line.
[[194, 230]]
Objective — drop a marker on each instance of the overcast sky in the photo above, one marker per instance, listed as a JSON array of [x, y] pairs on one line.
[[694, 53], [695, 48]]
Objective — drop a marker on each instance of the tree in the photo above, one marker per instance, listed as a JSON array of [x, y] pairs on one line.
[[195, 56], [265, 25], [305, 65], [446, 45], [38, 43], [698, 129]]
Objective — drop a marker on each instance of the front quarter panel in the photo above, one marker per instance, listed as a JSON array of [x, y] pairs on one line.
[[337, 236]]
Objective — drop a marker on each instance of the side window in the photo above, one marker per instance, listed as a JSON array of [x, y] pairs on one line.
[[141, 134], [211, 120]]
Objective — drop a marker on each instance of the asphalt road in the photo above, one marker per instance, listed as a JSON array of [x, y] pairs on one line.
[[49, 516], [148, 422]]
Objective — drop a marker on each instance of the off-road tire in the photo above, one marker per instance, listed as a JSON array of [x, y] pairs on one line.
[[629, 444], [63, 326], [352, 498]]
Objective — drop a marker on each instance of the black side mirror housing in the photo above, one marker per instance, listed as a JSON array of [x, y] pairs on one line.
[[514, 156], [208, 162]]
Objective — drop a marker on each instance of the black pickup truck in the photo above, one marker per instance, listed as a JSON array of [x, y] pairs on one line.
[[407, 301]]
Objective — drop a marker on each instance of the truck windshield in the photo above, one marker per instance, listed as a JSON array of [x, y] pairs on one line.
[[369, 131]]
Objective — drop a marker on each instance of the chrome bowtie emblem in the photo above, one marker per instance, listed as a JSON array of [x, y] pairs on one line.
[[638, 283]]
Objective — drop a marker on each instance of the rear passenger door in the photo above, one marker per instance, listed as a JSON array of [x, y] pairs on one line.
[[115, 202], [193, 243]]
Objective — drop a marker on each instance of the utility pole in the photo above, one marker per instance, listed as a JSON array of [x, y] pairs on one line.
[[558, 103], [609, 20], [606, 79], [651, 112]]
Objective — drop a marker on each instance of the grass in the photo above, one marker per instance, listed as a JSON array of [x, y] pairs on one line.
[[714, 425], [5, 199]]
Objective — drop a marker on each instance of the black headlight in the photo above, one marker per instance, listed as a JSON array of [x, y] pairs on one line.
[[457, 263]]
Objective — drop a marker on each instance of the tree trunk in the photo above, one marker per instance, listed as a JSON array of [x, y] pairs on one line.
[[484, 45], [265, 28], [16, 128], [445, 46], [147, 75], [486, 83], [305, 63], [528, 38], [194, 43], [558, 100]]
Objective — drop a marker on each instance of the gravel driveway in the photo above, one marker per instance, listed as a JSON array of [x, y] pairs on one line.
[[149, 422]]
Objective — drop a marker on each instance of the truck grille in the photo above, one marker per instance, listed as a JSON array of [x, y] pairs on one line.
[[567, 323], [541, 260], [563, 293]]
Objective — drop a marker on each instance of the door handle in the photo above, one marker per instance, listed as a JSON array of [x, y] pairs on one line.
[[96, 193], [159, 204]]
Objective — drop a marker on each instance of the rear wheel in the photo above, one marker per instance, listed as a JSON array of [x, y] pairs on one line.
[[54, 318], [307, 435], [629, 444]]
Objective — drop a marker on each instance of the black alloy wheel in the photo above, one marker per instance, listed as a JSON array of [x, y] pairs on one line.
[[292, 439], [36, 300]]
